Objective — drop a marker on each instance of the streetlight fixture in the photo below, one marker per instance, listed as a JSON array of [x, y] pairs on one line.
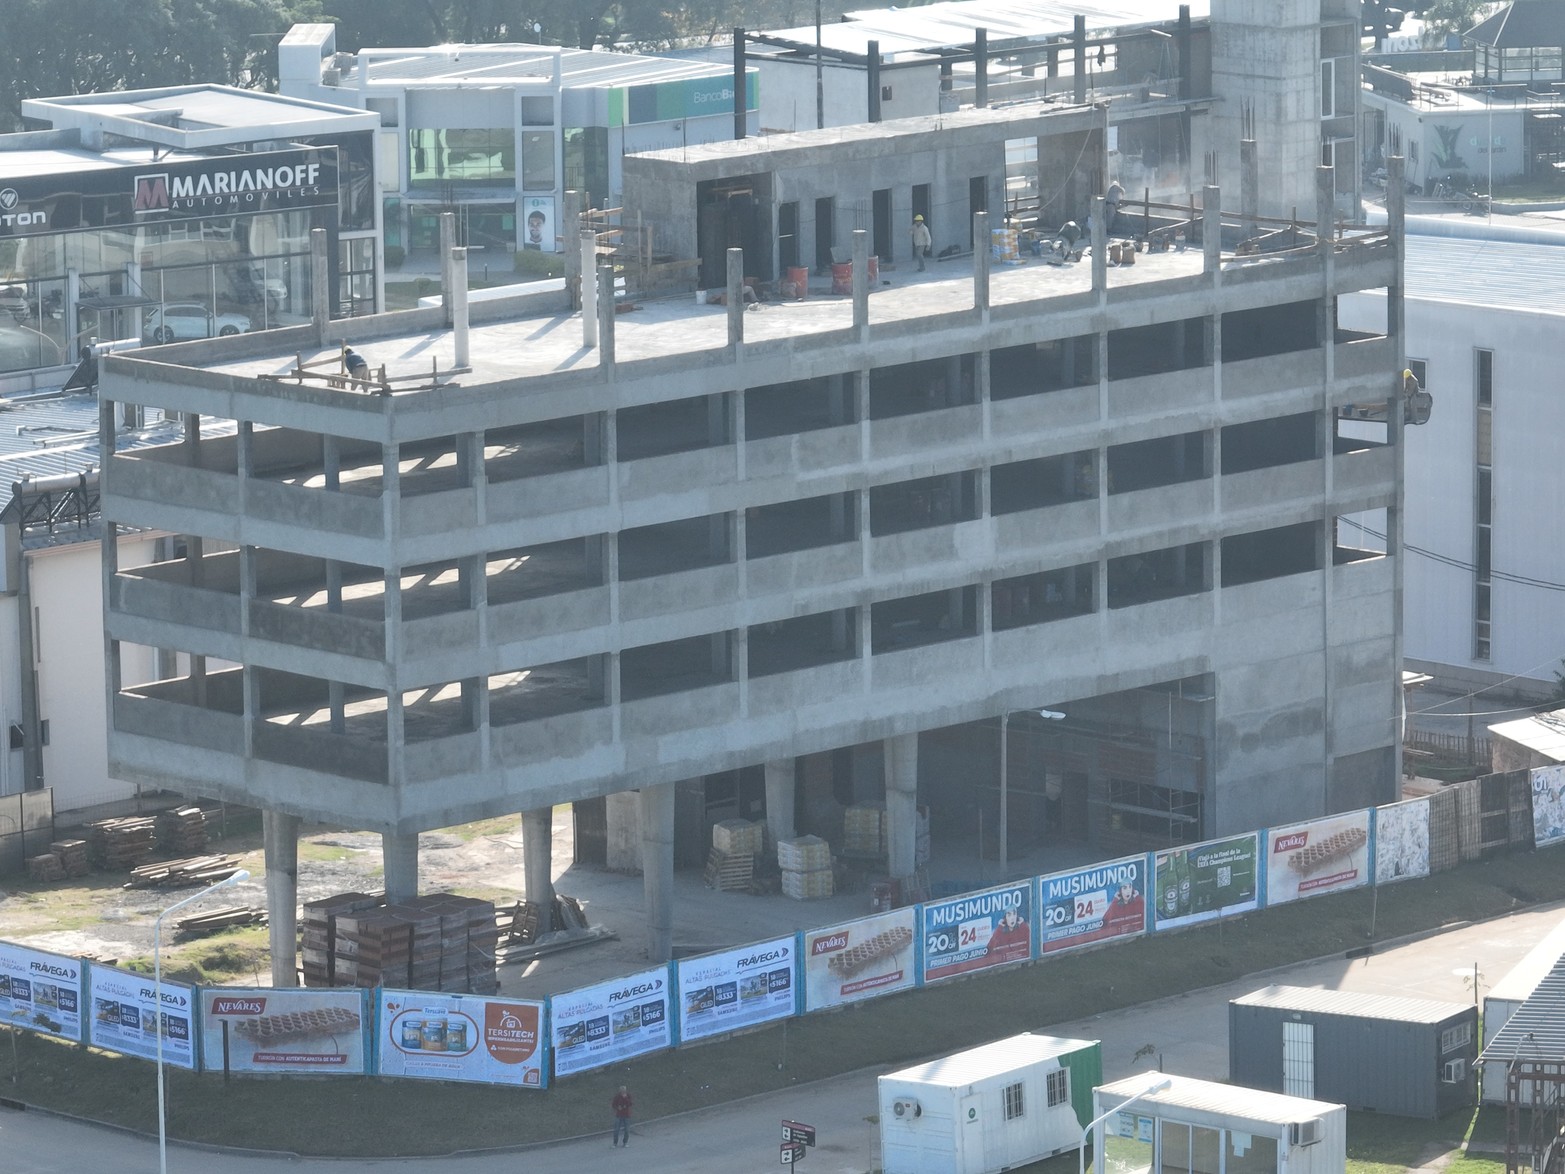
[[157, 995], [1081, 1164], [1005, 829]]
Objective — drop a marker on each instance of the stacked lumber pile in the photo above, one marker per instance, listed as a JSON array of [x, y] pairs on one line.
[[438, 942], [317, 933], [120, 844], [45, 867], [182, 830], [73, 855], [806, 867], [193, 870], [216, 919]]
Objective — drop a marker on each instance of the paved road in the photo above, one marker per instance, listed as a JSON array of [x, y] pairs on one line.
[[1189, 1032]]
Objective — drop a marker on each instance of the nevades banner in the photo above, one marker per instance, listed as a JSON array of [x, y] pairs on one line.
[[1321, 856], [474, 1038], [266, 1029], [858, 960]]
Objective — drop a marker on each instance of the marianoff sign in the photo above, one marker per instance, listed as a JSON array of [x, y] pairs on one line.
[[280, 180]]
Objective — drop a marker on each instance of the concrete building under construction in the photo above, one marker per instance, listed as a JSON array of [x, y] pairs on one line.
[[689, 561]]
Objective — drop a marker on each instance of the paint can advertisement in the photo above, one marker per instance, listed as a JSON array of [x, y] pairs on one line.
[[472, 1038]]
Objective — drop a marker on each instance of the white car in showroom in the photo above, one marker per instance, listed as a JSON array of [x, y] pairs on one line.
[[183, 321]]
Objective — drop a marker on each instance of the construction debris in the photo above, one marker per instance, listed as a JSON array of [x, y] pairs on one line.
[[192, 870], [217, 919]]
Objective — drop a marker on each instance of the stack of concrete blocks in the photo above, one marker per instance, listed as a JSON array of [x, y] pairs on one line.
[[864, 830], [806, 867]]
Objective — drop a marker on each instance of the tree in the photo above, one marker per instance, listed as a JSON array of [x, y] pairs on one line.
[[1443, 18]]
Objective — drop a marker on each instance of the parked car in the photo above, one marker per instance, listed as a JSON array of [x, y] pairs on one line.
[[13, 300], [182, 321]]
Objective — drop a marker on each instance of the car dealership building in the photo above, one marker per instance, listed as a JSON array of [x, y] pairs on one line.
[[191, 205]]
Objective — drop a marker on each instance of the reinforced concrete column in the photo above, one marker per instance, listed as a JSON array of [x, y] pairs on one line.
[[399, 857], [981, 255], [1211, 229], [860, 280], [537, 857], [781, 779], [280, 843], [734, 275], [1100, 245], [901, 803], [657, 868], [1249, 186]]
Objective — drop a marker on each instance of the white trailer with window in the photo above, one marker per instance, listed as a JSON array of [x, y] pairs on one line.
[[990, 1108]]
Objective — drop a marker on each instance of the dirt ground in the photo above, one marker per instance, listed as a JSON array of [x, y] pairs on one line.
[[98, 917]]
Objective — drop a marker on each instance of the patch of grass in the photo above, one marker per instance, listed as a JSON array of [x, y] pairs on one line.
[[234, 957], [504, 825], [370, 1117], [313, 853]]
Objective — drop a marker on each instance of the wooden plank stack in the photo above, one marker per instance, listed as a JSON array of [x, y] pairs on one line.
[[73, 856], [437, 942], [121, 844], [729, 873], [216, 919], [182, 830], [806, 867], [45, 867], [194, 870]]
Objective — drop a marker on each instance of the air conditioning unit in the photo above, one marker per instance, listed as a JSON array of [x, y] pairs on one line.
[[1304, 1132], [1453, 1071], [906, 1110]]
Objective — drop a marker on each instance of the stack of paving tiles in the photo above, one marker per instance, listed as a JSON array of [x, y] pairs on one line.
[[736, 843], [806, 867], [73, 856], [45, 867], [182, 831], [864, 830], [317, 933], [438, 942], [121, 844]]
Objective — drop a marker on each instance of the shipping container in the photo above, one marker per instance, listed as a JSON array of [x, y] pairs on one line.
[[1376, 1053], [990, 1108]]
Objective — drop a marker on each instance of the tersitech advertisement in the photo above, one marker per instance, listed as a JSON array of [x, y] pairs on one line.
[[1321, 856], [321, 1032], [125, 1016], [40, 992], [462, 1037], [598, 1025], [858, 960], [1094, 904], [977, 931], [736, 988]]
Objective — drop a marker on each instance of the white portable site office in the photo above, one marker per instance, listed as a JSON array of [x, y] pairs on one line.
[[989, 1108], [1503, 999], [1190, 1126]]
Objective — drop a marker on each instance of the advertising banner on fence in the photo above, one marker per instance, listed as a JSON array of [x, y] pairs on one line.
[[266, 1029], [977, 931], [1401, 841], [125, 1016], [598, 1025], [736, 988], [1093, 904], [1548, 804], [40, 992], [461, 1037], [858, 960], [1321, 856], [1207, 881]]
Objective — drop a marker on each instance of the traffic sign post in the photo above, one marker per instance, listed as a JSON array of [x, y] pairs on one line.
[[799, 1132]]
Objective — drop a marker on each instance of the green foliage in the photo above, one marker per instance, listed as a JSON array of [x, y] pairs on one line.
[[1444, 17], [536, 265]]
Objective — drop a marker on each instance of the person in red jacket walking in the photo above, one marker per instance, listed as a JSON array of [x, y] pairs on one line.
[[621, 1106]]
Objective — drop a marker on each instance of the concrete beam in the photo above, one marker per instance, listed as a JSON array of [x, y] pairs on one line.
[[399, 856], [657, 869], [781, 779], [280, 843]]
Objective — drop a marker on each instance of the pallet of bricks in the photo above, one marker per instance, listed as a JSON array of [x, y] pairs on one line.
[[436, 942], [806, 867], [121, 844], [864, 830], [318, 937], [736, 845], [182, 831]]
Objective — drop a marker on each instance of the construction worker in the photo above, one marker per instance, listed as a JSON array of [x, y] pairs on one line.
[[357, 366], [921, 240], [1416, 402]]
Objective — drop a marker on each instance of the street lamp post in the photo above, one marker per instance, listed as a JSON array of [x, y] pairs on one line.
[[1005, 823], [157, 995], [1081, 1164]]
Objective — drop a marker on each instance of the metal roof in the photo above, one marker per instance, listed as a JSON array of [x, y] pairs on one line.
[[1542, 733], [1525, 976], [1524, 24], [1495, 273], [991, 1059], [1537, 1030], [1206, 1096], [1351, 1004], [951, 25], [505, 65]]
